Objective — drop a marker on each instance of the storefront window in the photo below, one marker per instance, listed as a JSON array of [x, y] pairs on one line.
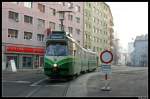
[[27, 62], [15, 58], [36, 61]]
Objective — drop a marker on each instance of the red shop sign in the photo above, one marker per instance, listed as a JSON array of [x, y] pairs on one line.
[[24, 49]]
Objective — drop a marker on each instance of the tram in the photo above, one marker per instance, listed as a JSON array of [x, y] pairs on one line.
[[65, 58]]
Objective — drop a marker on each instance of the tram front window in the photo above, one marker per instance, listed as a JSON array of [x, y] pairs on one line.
[[56, 50]]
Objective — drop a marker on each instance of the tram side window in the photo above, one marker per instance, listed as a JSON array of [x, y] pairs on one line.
[[70, 48]]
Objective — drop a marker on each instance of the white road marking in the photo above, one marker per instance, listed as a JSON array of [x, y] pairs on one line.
[[16, 81], [35, 84], [32, 92], [54, 85]]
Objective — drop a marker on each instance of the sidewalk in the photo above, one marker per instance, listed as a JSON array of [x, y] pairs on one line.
[[9, 75]]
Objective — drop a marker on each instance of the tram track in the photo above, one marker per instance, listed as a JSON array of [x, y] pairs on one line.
[[47, 88], [66, 89]]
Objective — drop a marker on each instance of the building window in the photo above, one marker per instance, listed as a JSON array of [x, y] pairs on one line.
[[28, 4], [63, 3], [53, 11], [70, 5], [40, 37], [70, 17], [41, 8], [61, 15], [78, 41], [14, 16], [78, 19], [28, 19], [59, 26], [77, 8], [89, 4], [41, 23], [97, 49], [27, 35], [78, 31], [70, 30], [12, 33], [52, 25]]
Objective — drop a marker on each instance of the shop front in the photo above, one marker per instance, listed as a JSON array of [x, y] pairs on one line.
[[25, 57]]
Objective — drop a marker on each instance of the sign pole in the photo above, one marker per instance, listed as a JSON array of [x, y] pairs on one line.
[[106, 58]]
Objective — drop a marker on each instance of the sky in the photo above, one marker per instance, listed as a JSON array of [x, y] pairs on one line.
[[130, 20]]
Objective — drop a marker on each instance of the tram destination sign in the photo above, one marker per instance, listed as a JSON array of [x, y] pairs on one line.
[[57, 36]]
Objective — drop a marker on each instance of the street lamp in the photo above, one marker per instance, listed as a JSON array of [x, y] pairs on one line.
[[62, 17]]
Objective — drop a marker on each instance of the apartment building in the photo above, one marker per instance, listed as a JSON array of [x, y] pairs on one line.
[[139, 56], [98, 22], [24, 26]]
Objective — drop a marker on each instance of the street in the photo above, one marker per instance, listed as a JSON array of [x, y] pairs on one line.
[[124, 81]]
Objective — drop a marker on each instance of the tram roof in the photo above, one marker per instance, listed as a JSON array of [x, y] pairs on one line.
[[87, 50]]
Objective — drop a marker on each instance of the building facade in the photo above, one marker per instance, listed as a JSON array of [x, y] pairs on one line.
[[24, 25], [139, 56], [98, 23], [130, 50]]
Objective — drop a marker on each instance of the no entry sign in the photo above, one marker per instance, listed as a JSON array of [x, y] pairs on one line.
[[106, 57]]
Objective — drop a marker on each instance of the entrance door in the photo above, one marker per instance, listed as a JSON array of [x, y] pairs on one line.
[[41, 61], [11, 57], [36, 62], [27, 62]]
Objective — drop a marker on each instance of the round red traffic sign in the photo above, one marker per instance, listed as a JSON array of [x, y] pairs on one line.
[[106, 56]]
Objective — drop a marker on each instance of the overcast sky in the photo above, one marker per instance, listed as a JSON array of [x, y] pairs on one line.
[[130, 20]]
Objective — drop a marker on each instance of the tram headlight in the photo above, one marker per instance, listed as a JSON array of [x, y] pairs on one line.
[[55, 65]]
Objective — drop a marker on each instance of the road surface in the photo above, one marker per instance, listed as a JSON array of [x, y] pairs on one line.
[[125, 81]]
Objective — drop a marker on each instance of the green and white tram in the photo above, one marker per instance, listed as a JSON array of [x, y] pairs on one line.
[[65, 58]]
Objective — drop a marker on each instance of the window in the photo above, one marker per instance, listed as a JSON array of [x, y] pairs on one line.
[[78, 31], [70, 17], [70, 5], [94, 48], [77, 8], [41, 7], [59, 26], [14, 16], [28, 19], [41, 23], [12, 33], [78, 41], [78, 19], [89, 4], [97, 48], [63, 3], [40, 37], [52, 25], [28, 4], [70, 30], [61, 15], [27, 35], [53, 11]]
